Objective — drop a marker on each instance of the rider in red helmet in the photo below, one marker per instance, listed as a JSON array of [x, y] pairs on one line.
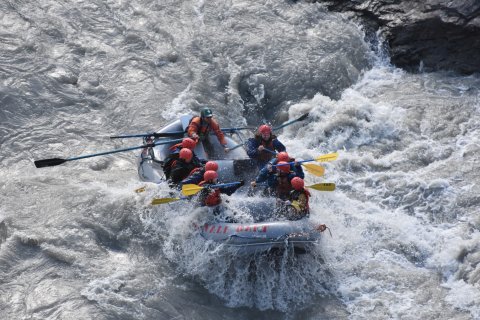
[[298, 207], [278, 181], [182, 167], [263, 146], [197, 175], [210, 196], [174, 155]]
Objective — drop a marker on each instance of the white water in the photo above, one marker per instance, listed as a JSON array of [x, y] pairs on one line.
[[77, 242]]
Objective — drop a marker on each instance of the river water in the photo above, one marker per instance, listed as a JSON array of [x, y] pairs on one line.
[[76, 241]]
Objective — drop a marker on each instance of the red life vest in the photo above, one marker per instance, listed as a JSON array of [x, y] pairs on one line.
[[208, 197]]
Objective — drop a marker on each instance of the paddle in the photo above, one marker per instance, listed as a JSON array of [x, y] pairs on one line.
[[314, 169], [322, 158], [173, 133], [156, 201], [326, 186], [57, 161], [191, 189], [153, 134], [301, 118]]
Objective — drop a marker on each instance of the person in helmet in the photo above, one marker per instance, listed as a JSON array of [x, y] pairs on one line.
[[174, 155], [297, 203], [283, 156], [278, 182], [196, 176], [200, 127], [210, 196], [263, 145], [182, 167]]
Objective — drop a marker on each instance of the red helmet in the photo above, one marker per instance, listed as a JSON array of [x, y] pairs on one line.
[[264, 129], [188, 143], [285, 168], [186, 154], [210, 175], [297, 183], [283, 156], [211, 166]]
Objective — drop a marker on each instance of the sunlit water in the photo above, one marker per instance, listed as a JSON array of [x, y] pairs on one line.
[[78, 243]]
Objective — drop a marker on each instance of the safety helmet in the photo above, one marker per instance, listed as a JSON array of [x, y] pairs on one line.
[[210, 175], [264, 129], [297, 183], [206, 113], [283, 156], [211, 166], [285, 168], [186, 154], [188, 143]]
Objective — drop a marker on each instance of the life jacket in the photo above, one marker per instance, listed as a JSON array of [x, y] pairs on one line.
[[201, 127], [176, 147], [265, 156], [295, 195], [180, 170], [283, 185], [209, 197]]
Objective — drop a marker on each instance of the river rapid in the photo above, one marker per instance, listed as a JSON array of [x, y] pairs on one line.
[[76, 241]]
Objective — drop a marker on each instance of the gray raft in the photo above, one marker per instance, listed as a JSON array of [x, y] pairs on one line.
[[243, 237]]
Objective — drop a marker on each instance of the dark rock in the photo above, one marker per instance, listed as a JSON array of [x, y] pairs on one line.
[[437, 34]]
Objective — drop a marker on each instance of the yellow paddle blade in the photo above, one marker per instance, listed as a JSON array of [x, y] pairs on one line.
[[314, 169], [141, 189], [322, 186], [296, 205], [327, 157], [190, 189], [156, 201]]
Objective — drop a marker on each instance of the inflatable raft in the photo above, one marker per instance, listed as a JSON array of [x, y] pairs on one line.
[[245, 238], [258, 237], [232, 165]]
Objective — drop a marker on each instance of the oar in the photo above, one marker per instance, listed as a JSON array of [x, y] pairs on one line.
[[156, 201], [323, 158], [56, 161], [191, 189], [327, 186], [301, 118], [153, 134], [314, 169], [173, 133]]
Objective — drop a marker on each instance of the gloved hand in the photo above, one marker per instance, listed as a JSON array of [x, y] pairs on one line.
[[241, 183], [225, 149], [269, 167], [260, 148], [195, 136], [253, 184]]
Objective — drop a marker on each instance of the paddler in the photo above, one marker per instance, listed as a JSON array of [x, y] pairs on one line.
[[210, 196], [183, 166], [199, 128], [174, 155], [263, 145], [297, 203], [278, 181]]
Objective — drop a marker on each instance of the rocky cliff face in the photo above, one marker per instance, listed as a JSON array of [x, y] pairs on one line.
[[438, 34]]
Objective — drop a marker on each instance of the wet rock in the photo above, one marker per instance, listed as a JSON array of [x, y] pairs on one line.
[[426, 35]]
